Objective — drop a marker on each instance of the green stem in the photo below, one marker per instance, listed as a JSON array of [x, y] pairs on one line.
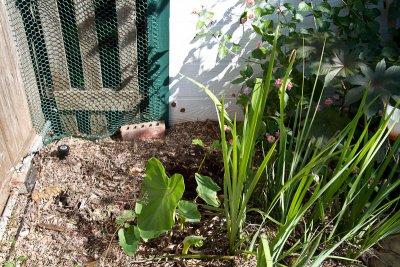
[[202, 162], [188, 256]]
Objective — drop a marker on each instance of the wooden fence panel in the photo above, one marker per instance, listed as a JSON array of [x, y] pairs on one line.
[[16, 131]]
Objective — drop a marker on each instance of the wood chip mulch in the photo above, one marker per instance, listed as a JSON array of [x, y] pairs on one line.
[[69, 220]]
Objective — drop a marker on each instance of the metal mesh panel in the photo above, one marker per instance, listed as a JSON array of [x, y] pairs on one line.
[[85, 64]]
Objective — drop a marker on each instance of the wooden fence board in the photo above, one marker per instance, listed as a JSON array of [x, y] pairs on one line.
[[103, 100], [85, 18], [48, 11], [126, 16], [16, 130], [98, 124]]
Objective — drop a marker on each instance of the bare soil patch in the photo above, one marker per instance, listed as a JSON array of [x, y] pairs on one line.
[[70, 218]]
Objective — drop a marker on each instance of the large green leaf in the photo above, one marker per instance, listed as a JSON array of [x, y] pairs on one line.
[[380, 83], [343, 64], [129, 239], [159, 197], [188, 210], [207, 190]]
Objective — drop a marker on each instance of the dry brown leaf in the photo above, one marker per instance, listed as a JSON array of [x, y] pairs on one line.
[[36, 196], [52, 191], [52, 227], [91, 264]]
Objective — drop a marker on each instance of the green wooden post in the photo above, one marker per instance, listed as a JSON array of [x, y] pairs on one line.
[[158, 33]]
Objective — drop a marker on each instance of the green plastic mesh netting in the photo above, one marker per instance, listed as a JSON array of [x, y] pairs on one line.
[[91, 66]]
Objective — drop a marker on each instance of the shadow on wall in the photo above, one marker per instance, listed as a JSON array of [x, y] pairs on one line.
[[197, 59]]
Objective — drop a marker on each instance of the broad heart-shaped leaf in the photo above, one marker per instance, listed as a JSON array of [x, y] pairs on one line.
[[129, 239], [207, 190], [188, 210], [159, 197]]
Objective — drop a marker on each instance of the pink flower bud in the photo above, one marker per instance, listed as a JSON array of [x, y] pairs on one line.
[[243, 20], [258, 44], [289, 86], [270, 138], [250, 2], [227, 129], [251, 16], [211, 22], [277, 134], [328, 101], [246, 91], [278, 83]]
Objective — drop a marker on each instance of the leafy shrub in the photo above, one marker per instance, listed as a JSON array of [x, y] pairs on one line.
[[350, 33]]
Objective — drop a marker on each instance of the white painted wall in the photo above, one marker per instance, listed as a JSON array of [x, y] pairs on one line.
[[197, 58]]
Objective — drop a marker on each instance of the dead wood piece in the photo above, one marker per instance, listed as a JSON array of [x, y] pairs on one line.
[[52, 227]]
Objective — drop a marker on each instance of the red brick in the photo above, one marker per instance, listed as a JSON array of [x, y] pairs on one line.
[[143, 131]]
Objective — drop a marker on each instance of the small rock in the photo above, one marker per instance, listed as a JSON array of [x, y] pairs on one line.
[[24, 233], [392, 243]]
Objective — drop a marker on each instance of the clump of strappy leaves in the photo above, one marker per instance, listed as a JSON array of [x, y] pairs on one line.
[[161, 205]]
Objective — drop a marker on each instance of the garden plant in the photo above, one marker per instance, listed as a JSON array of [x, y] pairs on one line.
[[327, 192], [315, 190]]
